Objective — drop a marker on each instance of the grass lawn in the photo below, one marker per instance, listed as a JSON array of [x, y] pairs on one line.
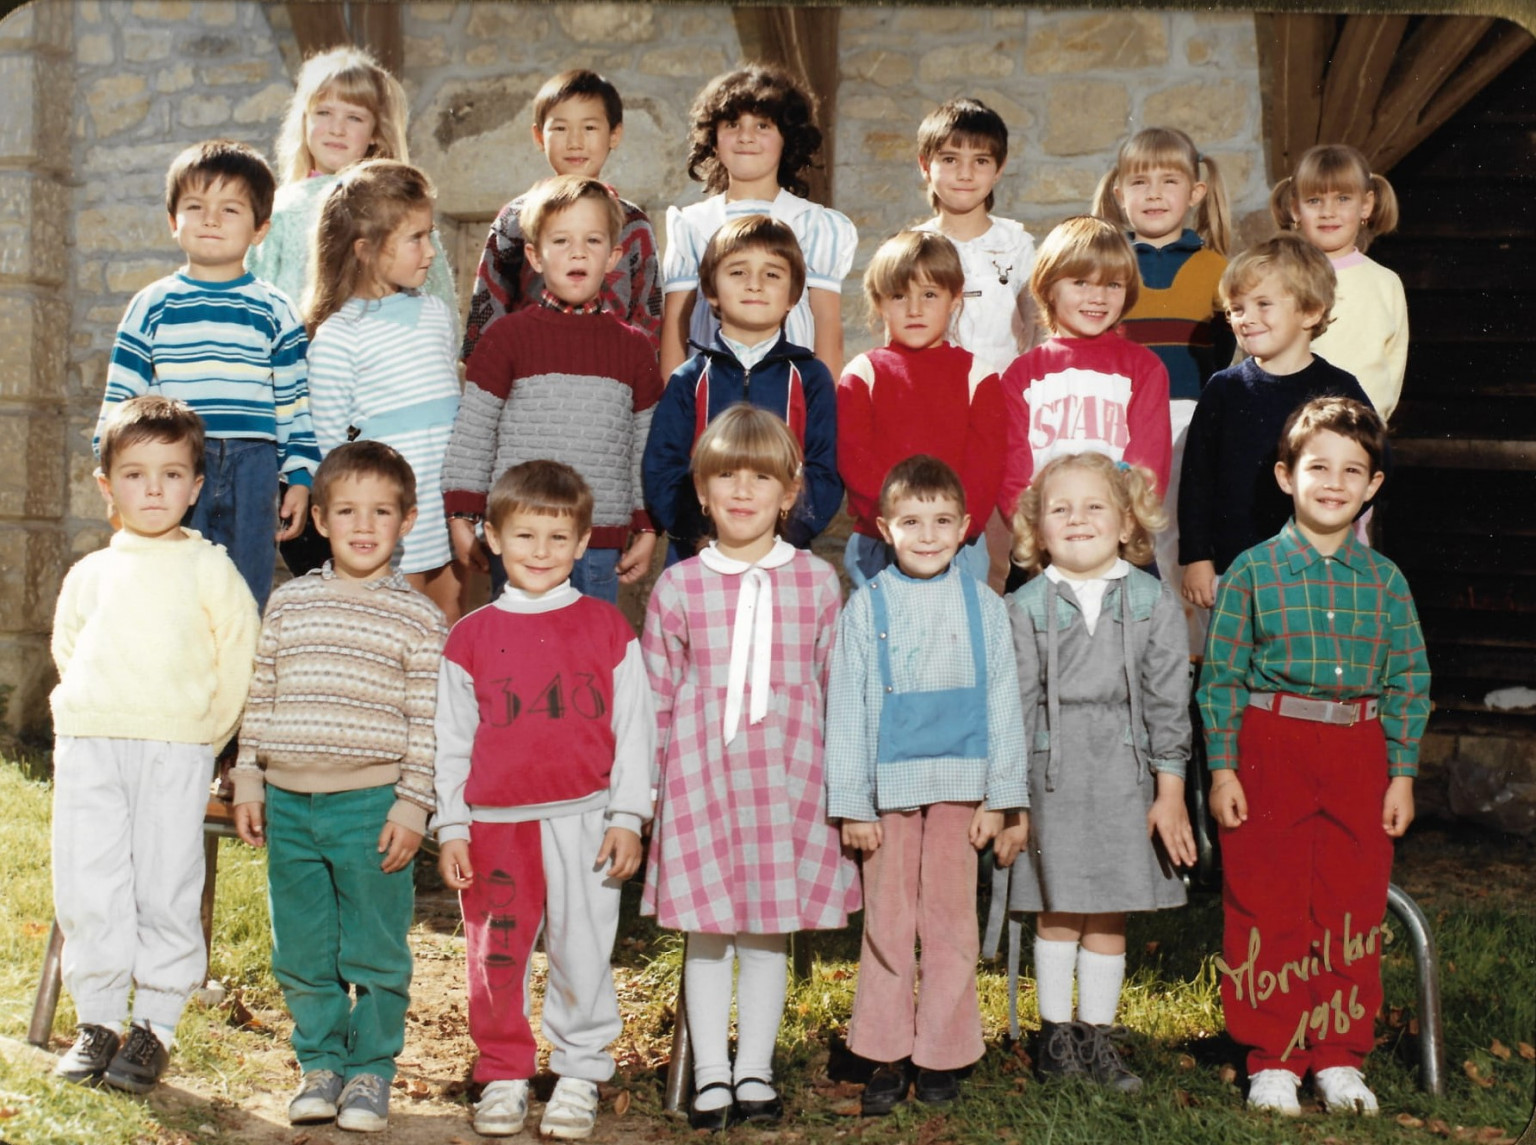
[[1479, 892]]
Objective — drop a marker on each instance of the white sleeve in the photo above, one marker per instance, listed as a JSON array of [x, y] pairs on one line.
[[458, 716], [632, 784]]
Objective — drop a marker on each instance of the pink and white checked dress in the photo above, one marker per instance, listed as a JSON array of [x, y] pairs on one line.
[[742, 842]]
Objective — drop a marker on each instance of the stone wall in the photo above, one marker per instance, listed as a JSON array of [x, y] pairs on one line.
[[100, 94]]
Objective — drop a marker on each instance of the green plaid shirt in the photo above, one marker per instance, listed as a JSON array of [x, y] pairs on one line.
[[1288, 619]]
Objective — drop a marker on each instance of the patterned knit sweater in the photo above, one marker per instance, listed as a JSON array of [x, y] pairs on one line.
[[577, 388], [506, 280], [344, 693], [1179, 315]]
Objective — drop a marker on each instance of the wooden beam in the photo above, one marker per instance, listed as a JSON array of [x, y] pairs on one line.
[[1509, 44], [1293, 54], [1356, 74], [804, 42], [321, 24], [1431, 55]]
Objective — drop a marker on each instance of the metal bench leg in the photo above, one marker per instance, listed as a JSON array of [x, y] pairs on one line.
[[1431, 1034], [49, 981], [680, 1069]]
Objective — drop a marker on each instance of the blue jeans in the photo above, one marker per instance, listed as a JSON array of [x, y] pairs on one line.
[[237, 507], [596, 574], [866, 556]]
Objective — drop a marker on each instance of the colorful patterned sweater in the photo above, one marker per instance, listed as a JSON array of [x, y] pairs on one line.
[[1179, 315]]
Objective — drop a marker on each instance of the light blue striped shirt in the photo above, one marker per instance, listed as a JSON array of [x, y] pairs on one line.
[[234, 351]]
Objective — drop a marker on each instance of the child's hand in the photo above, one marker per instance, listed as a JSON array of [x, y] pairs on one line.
[[1012, 839], [864, 837], [1229, 806], [1168, 820], [621, 851], [291, 513], [248, 823], [467, 549], [1200, 583], [1396, 808], [453, 864], [398, 846], [984, 826], [636, 561]]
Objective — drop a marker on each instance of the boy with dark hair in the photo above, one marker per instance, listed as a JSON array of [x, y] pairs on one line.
[[751, 274], [578, 121], [232, 347], [153, 638], [337, 749], [564, 380], [962, 146], [545, 753], [1315, 694]]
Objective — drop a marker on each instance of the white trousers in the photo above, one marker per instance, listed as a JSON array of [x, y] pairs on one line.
[[128, 874], [581, 920]]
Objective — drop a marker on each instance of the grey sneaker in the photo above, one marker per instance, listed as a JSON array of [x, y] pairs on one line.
[[86, 1060], [316, 1098], [572, 1110], [502, 1108], [364, 1104]]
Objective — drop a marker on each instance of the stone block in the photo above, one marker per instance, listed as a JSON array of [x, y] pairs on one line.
[[175, 77], [1016, 116], [18, 126], [117, 102], [130, 275], [888, 69], [425, 52], [877, 107], [1209, 111], [26, 670], [173, 11], [499, 24], [1108, 41], [432, 12], [34, 212], [213, 46], [1060, 183], [482, 55], [31, 463], [473, 137], [203, 111], [968, 62], [931, 23], [1082, 116], [34, 322], [84, 494], [266, 106], [1009, 19], [608, 23], [230, 72], [136, 226], [693, 61], [146, 45], [1236, 169], [216, 13], [95, 50], [890, 146]]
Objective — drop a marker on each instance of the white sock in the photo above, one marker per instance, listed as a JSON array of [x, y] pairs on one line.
[[760, 990], [1099, 978], [707, 970], [1055, 963]]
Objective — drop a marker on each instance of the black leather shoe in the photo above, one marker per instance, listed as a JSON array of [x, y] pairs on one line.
[[139, 1064], [93, 1051], [1104, 1063], [767, 1112], [717, 1120], [886, 1089], [1061, 1051], [937, 1086]]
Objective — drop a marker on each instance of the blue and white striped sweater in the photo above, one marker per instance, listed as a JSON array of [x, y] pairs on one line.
[[234, 351]]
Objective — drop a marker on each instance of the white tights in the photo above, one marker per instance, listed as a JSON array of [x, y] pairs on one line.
[[760, 992]]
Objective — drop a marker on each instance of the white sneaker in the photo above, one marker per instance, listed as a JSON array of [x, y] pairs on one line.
[[1274, 1091], [502, 1108], [572, 1110], [1343, 1090]]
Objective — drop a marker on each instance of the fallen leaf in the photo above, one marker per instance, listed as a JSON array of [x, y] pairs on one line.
[[1185, 1062], [1413, 1027], [8, 1111], [1409, 1121], [847, 1109], [621, 1103], [1474, 1075], [1438, 1127], [1528, 1051], [456, 1140], [1499, 1050], [1183, 1097], [1227, 1074], [1152, 946], [33, 930], [301, 1139], [1491, 1135]]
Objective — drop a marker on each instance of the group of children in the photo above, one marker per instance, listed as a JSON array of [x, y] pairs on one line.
[[796, 757]]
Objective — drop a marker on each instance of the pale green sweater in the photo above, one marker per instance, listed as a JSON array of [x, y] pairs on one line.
[[282, 258]]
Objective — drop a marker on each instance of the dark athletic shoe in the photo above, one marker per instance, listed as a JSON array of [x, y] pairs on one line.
[[93, 1051], [887, 1088], [1060, 1052], [1103, 1059], [316, 1098], [139, 1064], [937, 1086]]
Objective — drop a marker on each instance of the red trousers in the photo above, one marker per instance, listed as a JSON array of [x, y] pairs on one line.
[[503, 908], [1304, 892], [920, 885]]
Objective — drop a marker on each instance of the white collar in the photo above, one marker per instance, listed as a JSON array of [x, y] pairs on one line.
[[514, 599], [1121, 568], [1089, 593], [752, 631]]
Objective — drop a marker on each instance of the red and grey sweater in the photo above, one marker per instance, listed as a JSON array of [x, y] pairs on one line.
[[577, 388], [894, 402], [1073, 395]]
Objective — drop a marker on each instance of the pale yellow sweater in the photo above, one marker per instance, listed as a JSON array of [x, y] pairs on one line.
[[154, 640]]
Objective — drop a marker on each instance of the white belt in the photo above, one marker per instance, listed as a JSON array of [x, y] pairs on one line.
[[1346, 713]]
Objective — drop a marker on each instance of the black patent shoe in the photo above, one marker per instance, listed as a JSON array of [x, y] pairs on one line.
[[1103, 1059], [937, 1086], [85, 1061], [766, 1112], [887, 1088], [139, 1064], [717, 1120], [1061, 1051]]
